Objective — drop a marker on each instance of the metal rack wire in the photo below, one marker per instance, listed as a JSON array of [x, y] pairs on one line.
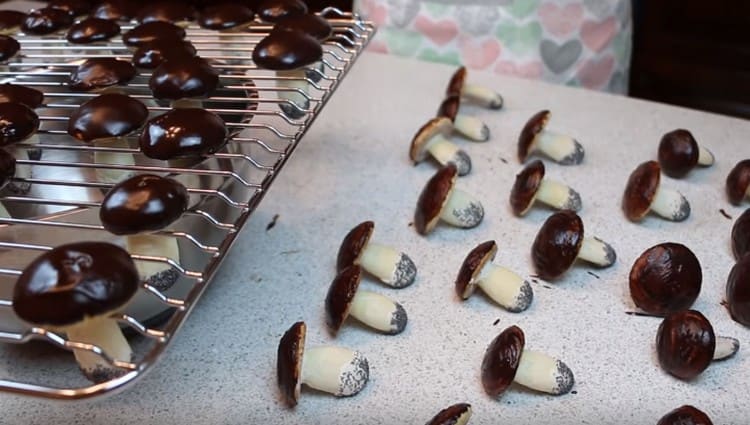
[[67, 185]]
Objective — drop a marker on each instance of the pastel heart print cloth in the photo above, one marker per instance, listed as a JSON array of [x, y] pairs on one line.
[[583, 43]]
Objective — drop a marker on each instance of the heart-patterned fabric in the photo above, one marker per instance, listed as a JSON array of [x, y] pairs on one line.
[[575, 42]]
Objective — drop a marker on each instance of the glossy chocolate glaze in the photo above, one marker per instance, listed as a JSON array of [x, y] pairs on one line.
[[501, 361], [449, 107], [309, 23], [99, 73], [685, 415], [107, 115], [738, 291], [91, 30], [641, 190], [289, 362], [286, 50], [738, 180], [275, 10], [526, 139], [525, 187], [17, 123], [143, 203], [7, 168], [147, 33], [8, 47], [353, 244], [433, 198], [21, 94], [451, 415], [678, 153], [167, 11], [557, 244], [184, 77], [11, 20], [46, 20], [225, 16], [741, 235], [117, 10], [456, 83], [685, 344], [340, 296], [473, 263], [71, 282], [183, 132], [151, 55], [72, 7], [666, 278]]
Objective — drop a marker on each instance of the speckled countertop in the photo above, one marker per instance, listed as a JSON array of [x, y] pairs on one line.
[[353, 166]]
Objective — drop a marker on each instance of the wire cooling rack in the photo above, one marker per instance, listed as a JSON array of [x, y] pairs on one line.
[[58, 189]]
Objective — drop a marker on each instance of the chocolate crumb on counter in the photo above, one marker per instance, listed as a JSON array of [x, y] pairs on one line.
[[724, 213], [272, 223]]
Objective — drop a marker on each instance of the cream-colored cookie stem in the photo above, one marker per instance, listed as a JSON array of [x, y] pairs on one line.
[[705, 157], [462, 209], [502, 285], [323, 367], [725, 347], [374, 310], [540, 372], [297, 79], [556, 146], [152, 245], [558, 195], [443, 150], [670, 204], [380, 260], [597, 252], [109, 175], [482, 95], [471, 127], [104, 333], [4, 212]]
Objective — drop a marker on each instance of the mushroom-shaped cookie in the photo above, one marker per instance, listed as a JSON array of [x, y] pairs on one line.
[[117, 10], [504, 286], [46, 20], [97, 74], [74, 288], [738, 291], [561, 241], [441, 200], [530, 185], [92, 30], [28, 96], [276, 10], [175, 12], [334, 370], [457, 414], [506, 361], [183, 133], [137, 207], [9, 47], [392, 267], [184, 80], [19, 123], [149, 32], [152, 55], [534, 137], [665, 278], [738, 182], [470, 126], [11, 21], [225, 16], [644, 193], [481, 95], [679, 153], [372, 309], [431, 140], [686, 344], [75, 8], [685, 415], [315, 26]]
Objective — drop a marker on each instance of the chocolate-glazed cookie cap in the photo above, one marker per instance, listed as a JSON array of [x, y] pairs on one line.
[[457, 414], [99, 73], [152, 55], [641, 190], [148, 32], [107, 115], [311, 24], [418, 148], [8, 47], [738, 291], [289, 362], [166, 11], [225, 16], [501, 361], [7, 168], [46, 21], [665, 278], [433, 198], [184, 77], [183, 132], [741, 235], [91, 30], [527, 138], [17, 123], [11, 20], [30, 97], [685, 415], [685, 344], [143, 203], [340, 296], [456, 83], [449, 107], [524, 189], [117, 10], [678, 153], [738, 180], [73, 7], [275, 10], [353, 244], [75, 281], [286, 50], [472, 266], [557, 244]]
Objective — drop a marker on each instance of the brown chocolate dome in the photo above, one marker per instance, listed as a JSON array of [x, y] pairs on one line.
[[286, 50], [91, 30], [225, 16], [99, 73], [184, 77], [8, 47], [151, 31], [167, 11], [21, 94], [151, 55], [17, 123], [275, 10], [72, 7], [311, 24], [117, 10], [46, 20], [11, 20], [105, 116], [183, 132]]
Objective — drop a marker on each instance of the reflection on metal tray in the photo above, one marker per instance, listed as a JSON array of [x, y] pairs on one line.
[[66, 182]]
